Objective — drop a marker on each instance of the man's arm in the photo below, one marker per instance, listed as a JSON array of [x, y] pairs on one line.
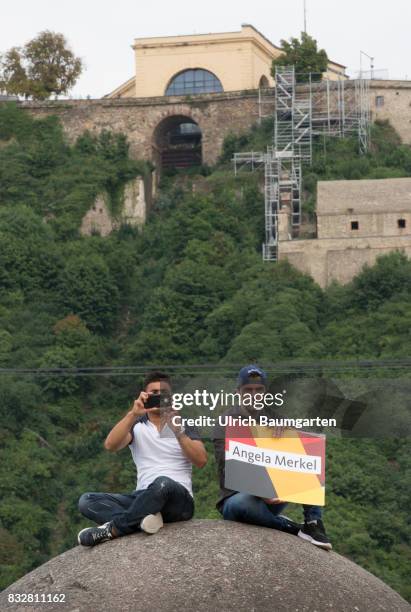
[[194, 450], [120, 435], [219, 454], [189, 440]]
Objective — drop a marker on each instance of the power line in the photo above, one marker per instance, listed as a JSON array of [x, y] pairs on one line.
[[211, 369]]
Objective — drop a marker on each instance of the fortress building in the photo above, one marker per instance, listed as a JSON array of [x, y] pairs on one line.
[[205, 63], [357, 221], [190, 92]]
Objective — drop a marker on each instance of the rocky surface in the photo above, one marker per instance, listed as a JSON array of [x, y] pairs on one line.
[[205, 565]]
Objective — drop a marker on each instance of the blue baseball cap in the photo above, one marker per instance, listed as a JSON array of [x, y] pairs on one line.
[[251, 375]]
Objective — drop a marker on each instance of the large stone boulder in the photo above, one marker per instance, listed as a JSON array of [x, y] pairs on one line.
[[205, 566]]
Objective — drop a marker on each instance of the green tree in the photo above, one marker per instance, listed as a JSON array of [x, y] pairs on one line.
[[304, 55], [89, 291], [390, 276], [44, 66], [13, 76]]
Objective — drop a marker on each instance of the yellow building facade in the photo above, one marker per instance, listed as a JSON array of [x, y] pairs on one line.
[[204, 63]]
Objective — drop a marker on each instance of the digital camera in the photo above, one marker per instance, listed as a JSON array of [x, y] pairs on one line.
[[159, 400]]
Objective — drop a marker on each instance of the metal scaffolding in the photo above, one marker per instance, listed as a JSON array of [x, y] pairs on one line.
[[272, 195], [284, 110], [302, 110], [272, 173], [362, 93], [334, 108], [342, 108]]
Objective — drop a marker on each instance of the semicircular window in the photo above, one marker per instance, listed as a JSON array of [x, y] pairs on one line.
[[193, 81]]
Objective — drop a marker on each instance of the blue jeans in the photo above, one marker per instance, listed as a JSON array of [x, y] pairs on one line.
[[247, 508], [126, 511]]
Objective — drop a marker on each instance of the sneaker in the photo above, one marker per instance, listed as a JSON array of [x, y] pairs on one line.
[[290, 526], [314, 532], [94, 535], [152, 523]]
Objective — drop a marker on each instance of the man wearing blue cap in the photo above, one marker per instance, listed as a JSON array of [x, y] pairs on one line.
[[247, 508]]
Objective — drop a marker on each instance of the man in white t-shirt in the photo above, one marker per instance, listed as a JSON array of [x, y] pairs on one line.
[[163, 453]]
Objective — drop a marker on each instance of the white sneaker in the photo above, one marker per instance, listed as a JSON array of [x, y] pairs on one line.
[[152, 523]]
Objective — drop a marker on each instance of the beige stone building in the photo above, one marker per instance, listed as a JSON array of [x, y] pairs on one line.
[[356, 222], [391, 100], [204, 63]]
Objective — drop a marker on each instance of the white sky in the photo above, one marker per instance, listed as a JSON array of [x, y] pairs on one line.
[[101, 32]]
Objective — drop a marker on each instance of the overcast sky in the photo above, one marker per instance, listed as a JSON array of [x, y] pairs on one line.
[[101, 32]]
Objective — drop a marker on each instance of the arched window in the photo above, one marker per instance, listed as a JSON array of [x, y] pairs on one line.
[[263, 82], [193, 81]]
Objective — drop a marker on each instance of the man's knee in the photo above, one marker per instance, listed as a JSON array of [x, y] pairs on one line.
[[84, 502], [237, 506]]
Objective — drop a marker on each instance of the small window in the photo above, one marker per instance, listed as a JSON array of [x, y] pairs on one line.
[[379, 101], [263, 82], [354, 225], [402, 223]]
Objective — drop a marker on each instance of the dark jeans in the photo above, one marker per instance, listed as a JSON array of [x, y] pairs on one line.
[[250, 509], [126, 511]]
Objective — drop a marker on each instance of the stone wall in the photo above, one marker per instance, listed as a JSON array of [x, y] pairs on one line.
[[339, 259], [375, 206], [364, 195], [134, 207], [134, 204], [369, 224], [396, 105], [98, 219], [216, 114]]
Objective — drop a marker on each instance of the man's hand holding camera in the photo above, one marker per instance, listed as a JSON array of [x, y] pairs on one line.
[[146, 402], [161, 404], [173, 423], [138, 408]]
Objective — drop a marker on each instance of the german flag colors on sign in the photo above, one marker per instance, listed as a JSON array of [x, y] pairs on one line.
[[290, 467]]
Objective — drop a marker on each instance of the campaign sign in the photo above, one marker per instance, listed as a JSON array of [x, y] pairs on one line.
[[290, 468]]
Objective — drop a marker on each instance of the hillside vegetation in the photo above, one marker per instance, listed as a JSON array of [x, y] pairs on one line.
[[189, 289]]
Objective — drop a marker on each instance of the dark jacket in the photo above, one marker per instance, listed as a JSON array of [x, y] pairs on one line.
[[218, 439]]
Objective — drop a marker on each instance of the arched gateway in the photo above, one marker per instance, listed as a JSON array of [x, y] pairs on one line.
[[177, 143]]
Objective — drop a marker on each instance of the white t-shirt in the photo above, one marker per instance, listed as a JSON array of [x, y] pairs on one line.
[[159, 454]]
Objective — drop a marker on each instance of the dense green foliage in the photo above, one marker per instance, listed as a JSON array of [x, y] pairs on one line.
[[40, 170], [304, 55], [189, 289]]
